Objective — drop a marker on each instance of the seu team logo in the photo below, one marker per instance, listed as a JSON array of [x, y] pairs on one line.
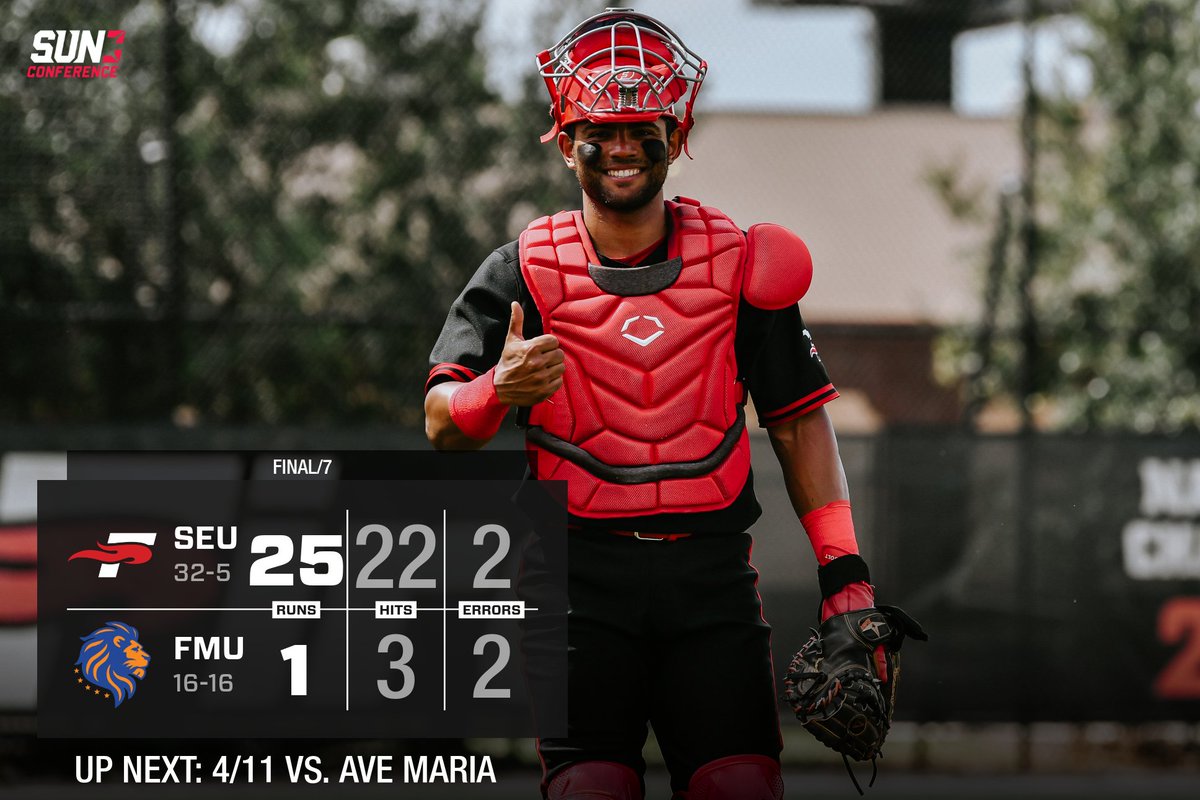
[[122, 548], [111, 662]]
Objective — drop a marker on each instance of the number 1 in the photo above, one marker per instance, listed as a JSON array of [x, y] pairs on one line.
[[297, 654]]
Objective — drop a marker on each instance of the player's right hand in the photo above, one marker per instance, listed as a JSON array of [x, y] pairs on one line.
[[530, 370]]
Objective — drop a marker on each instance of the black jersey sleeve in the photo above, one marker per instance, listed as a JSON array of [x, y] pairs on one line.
[[788, 378], [473, 336]]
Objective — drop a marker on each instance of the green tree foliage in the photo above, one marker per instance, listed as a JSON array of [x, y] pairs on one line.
[[76, 225], [1118, 286], [263, 219]]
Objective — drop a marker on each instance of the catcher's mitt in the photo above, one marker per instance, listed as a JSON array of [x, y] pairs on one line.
[[842, 683]]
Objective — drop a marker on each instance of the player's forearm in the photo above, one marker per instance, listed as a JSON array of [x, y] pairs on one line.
[[441, 430], [816, 482], [812, 467]]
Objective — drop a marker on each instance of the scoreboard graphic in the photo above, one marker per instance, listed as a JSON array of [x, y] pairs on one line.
[[303, 605]]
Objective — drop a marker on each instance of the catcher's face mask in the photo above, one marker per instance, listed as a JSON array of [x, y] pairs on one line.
[[620, 66]]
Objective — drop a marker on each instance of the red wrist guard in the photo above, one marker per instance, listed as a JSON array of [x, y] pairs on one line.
[[476, 409], [851, 597], [830, 529]]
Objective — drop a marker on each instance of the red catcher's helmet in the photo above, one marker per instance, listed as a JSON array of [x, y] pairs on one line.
[[620, 66]]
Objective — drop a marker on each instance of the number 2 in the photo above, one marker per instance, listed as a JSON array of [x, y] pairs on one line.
[[482, 581], [482, 687], [1180, 679], [260, 570]]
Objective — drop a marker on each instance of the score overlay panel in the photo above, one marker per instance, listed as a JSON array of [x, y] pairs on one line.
[[340, 608]]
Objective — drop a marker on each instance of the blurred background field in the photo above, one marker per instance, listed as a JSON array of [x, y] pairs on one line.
[[249, 238]]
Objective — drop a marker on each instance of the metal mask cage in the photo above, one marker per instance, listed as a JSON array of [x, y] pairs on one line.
[[644, 68]]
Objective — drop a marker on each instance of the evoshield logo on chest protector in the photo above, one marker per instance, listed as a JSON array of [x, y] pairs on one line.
[[644, 328]]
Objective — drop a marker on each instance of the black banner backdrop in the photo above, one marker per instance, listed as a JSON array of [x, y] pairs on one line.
[[1059, 577]]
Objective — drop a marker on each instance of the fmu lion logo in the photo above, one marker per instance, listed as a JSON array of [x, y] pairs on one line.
[[110, 659]]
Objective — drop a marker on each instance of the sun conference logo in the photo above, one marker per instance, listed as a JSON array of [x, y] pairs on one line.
[[74, 54]]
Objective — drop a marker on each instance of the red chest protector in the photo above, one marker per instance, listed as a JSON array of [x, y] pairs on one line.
[[649, 418]]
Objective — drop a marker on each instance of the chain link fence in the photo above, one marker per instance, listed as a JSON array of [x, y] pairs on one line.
[[261, 215]]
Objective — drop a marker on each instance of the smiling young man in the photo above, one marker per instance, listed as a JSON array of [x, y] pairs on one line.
[[629, 332]]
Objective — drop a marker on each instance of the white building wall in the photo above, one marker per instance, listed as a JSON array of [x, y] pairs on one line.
[[855, 188]]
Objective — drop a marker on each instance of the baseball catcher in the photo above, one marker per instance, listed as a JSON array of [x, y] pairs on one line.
[[628, 334], [842, 682]]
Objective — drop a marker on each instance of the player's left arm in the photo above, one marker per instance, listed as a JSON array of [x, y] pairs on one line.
[[836, 683], [812, 466], [842, 682], [790, 387], [807, 449]]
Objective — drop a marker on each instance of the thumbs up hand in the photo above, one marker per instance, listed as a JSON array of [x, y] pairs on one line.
[[529, 370]]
